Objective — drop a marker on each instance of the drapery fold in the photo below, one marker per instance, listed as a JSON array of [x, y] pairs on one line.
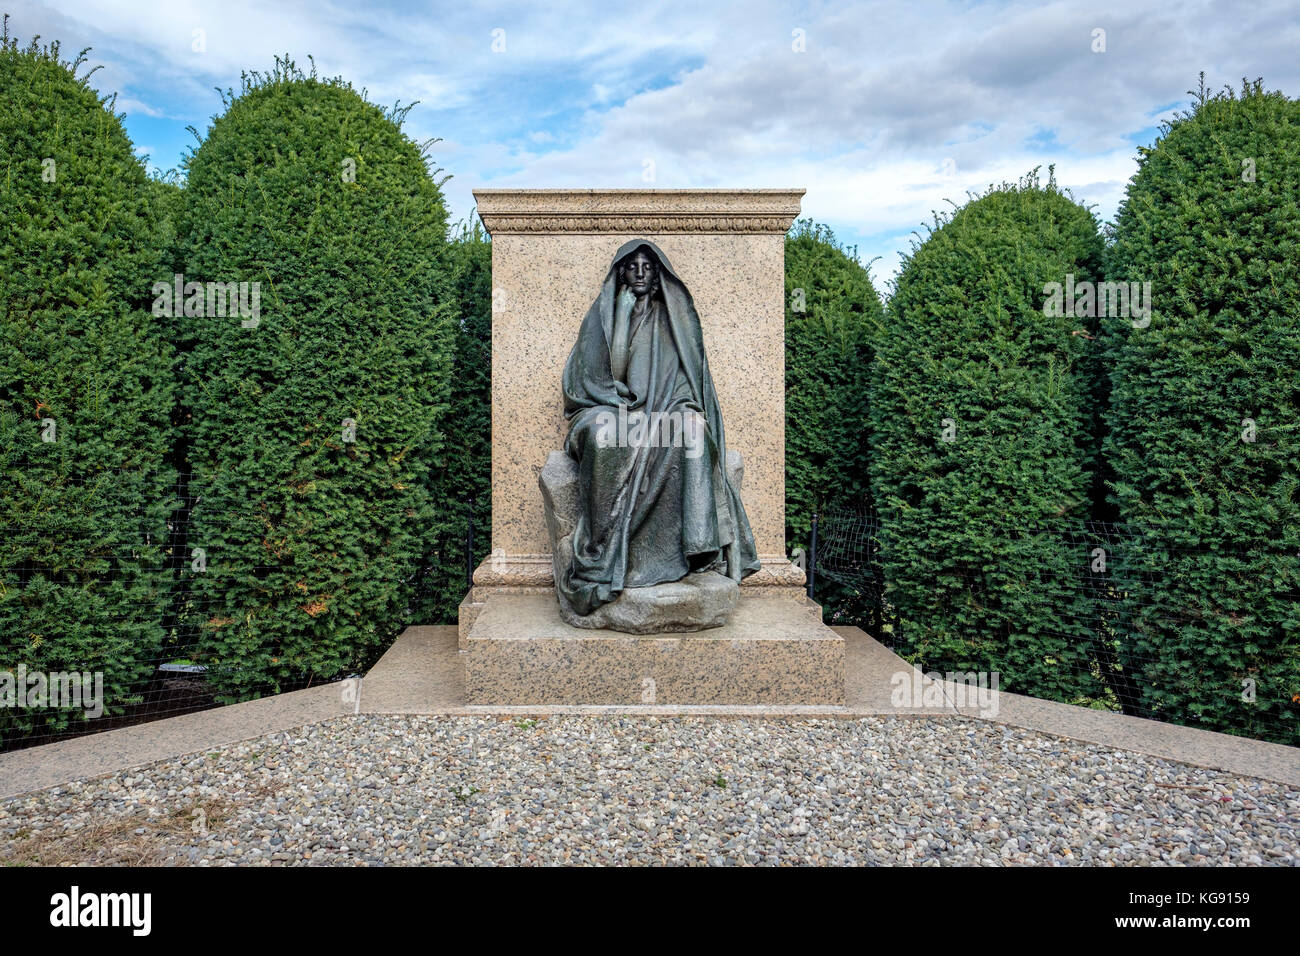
[[657, 504]]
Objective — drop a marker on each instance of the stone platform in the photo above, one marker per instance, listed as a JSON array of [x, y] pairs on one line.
[[773, 651]]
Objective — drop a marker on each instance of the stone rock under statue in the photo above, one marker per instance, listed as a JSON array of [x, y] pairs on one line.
[[643, 505]]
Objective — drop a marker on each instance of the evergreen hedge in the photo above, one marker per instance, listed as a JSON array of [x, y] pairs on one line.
[[86, 391], [973, 528], [831, 312], [462, 478], [1212, 221], [313, 428]]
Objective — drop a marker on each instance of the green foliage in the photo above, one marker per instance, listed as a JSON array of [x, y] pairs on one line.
[[167, 197], [313, 534], [84, 363], [1214, 587], [831, 313], [973, 528], [462, 479]]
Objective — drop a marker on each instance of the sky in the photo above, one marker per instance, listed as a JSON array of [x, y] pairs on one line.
[[884, 112]]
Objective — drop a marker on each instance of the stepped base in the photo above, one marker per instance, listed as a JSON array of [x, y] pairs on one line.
[[773, 651]]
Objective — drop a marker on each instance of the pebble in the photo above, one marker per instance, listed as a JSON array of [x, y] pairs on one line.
[[601, 790]]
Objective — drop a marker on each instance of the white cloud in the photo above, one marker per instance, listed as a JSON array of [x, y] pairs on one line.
[[128, 104], [864, 117]]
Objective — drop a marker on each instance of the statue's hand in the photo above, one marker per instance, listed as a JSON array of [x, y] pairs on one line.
[[625, 302]]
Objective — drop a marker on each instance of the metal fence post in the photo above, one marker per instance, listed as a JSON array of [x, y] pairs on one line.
[[812, 560], [469, 546]]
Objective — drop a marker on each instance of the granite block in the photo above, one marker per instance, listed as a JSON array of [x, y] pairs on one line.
[[775, 651]]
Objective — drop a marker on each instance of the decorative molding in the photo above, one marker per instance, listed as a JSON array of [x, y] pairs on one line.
[[777, 572], [507, 572], [618, 225], [515, 570], [645, 211]]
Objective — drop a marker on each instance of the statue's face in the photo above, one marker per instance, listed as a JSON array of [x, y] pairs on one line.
[[639, 273]]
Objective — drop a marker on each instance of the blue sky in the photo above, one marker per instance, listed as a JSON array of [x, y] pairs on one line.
[[882, 111]]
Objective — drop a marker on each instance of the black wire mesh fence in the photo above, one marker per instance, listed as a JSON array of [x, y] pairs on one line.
[[1203, 637], [109, 623], [105, 628]]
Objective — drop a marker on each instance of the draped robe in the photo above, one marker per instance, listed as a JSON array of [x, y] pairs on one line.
[[656, 508]]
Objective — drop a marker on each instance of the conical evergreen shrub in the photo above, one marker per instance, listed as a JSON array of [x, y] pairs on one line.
[[981, 427], [462, 480], [832, 311], [86, 395], [1204, 420], [315, 407]]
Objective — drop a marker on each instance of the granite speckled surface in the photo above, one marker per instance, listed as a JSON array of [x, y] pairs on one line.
[[550, 251], [520, 651]]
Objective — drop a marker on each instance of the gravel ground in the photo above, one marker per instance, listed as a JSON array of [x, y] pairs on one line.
[[681, 790]]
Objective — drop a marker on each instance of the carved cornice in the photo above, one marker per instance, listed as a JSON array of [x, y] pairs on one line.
[[619, 225], [632, 211]]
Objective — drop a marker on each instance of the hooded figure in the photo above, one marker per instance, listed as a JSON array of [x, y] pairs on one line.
[[655, 503]]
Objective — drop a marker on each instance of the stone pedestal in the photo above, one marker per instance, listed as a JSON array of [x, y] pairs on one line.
[[773, 652], [550, 252]]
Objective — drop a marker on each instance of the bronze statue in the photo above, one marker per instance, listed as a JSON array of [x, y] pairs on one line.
[[654, 499]]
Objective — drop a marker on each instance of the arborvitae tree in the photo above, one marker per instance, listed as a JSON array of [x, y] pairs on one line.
[[831, 312], [981, 442], [315, 416], [85, 391], [1204, 422], [462, 481]]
